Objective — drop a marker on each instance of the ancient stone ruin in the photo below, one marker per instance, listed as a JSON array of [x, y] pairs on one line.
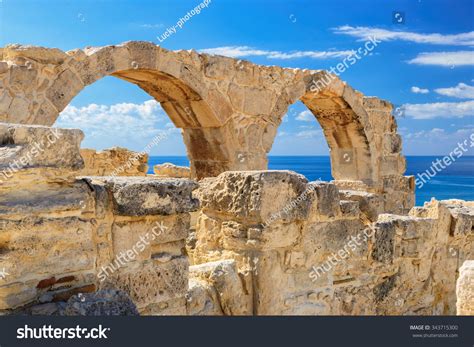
[[228, 237]]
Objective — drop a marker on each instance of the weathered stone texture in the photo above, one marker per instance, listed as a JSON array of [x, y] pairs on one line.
[[100, 303], [171, 170], [114, 162], [465, 289], [301, 250], [61, 235]]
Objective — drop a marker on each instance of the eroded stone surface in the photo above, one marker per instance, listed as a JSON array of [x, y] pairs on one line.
[[61, 236], [100, 303], [136, 196], [114, 162], [465, 289], [171, 170], [325, 256]]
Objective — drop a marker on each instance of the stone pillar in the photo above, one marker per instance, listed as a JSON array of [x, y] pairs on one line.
[[142, 243]]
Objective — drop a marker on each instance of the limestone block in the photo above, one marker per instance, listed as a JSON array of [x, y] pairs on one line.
[[113, 162], [218, 67], [224, 278], [22, 77], [43, 248], [152, 281], [137, 196], [143, 53], [16, 294], [66, 86], [321, 240], [171, 170], [326, 201], [392, 143], [465, 289], [258, 101], [140, 236], [36, 198], [237, 236], [202, 299], [350, 208], [369, 203], [29, 146], [384, 245], [40, 54], [258, 196]]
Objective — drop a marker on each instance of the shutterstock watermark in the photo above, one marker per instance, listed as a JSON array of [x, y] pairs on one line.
[[179, 24], [48, 332], [440, 164], [335, 258], [125, 257], [36, 148], [347, 62]]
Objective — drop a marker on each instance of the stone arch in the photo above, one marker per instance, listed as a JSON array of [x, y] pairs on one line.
[[361, 133], [175, 79]]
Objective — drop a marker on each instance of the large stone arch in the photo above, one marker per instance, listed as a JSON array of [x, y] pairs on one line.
[[41, 82]]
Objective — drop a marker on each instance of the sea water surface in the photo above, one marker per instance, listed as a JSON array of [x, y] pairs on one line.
[[454, 182]]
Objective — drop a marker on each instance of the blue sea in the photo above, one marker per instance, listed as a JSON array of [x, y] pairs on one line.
[[454, 182]]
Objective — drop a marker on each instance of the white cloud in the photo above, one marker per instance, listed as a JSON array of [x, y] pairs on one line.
[[437, 141], [125, 124], [305, 116], [246, 51], [418, 90], [448, 59], [310, 133], [365, 33], [426, 134], [461, 91], [439, 109]]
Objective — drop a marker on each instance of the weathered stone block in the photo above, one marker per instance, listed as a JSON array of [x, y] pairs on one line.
[[136, 196], [113, 162], [260, 196], [171, 170], [30, 146], [152, 281], [369, 203], [223, 277]]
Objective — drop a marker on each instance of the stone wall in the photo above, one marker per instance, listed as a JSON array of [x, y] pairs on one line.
[[302, 248], [60, 235]]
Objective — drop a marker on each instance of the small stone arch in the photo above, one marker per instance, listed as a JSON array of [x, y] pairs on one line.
[[361, 133]]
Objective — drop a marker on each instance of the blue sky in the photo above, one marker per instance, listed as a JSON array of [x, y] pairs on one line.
[[423, 65]]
